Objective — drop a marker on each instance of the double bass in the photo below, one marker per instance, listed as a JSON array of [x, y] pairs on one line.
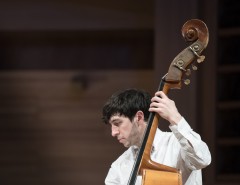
[[196, 33]]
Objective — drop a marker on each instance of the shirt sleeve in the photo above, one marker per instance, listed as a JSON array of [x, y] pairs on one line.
[[194, 151]]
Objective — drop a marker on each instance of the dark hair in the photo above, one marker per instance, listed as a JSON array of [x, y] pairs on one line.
[[127, 103]]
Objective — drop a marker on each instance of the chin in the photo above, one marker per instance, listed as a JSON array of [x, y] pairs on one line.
[[126, 145]]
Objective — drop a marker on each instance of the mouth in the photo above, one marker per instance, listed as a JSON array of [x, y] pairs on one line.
[[120, 140]]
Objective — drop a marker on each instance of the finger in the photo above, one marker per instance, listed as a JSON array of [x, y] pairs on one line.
[[153, 105], [160, 94], [155, 99], [153, 109]]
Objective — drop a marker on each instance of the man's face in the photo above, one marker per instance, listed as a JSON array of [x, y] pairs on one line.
[[125, 131]]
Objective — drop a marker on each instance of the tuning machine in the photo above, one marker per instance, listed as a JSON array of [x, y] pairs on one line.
[[194, 49], [200, 59], [188, 72], [187, 81], [194, 67]]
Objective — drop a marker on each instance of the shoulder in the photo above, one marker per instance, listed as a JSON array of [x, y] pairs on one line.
[[121, 168], [162, 136], [165, 139], [126, 156]]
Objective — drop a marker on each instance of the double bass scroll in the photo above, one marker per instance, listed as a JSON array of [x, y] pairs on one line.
[[196, 33]]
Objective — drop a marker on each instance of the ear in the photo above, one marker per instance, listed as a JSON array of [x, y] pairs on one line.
[[139, 117]]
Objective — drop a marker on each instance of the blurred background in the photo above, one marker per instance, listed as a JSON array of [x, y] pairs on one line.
[[61, 59]]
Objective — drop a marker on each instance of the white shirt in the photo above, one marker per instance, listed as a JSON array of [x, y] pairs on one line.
[[182, 149]]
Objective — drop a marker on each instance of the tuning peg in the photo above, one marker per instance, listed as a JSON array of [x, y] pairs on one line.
[[187, 82], [188, 72], [194, 67], [201, 59], [194, 50]]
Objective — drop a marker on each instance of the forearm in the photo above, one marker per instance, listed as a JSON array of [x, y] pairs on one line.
[[194, 151]]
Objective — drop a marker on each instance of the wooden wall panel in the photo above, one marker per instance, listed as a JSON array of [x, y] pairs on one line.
[[50, 125]]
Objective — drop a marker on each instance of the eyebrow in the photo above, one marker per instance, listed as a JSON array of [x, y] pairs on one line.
[[114, 120]]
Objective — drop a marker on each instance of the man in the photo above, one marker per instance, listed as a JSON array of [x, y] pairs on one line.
[[127, 112]]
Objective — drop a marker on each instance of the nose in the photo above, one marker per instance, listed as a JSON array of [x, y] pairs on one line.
[[115, 131]]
